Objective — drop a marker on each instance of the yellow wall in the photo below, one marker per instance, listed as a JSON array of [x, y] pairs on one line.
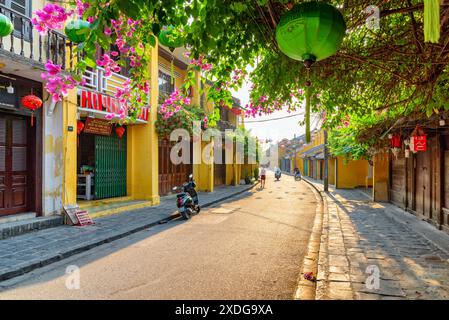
[[351, 174], [142, 147], [70, 167]]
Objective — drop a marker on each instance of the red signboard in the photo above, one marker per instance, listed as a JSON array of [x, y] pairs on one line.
[[419, 143], [98, 126], [101, 102]]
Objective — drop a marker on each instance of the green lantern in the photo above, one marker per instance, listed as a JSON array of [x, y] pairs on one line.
[[168, 38], [6, 26], [311, 31], [77, 30]]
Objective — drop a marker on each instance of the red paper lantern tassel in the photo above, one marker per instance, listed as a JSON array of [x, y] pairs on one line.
[[32, 119]]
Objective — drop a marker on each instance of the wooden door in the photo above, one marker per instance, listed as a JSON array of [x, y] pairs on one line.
[[423, 188], [398, 180], [171, 175], [14, 179]]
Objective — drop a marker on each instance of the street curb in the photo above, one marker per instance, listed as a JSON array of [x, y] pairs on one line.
[[306, 289], [87, 246]]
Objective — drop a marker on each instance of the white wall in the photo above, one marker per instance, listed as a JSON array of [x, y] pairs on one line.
[[52, 173]]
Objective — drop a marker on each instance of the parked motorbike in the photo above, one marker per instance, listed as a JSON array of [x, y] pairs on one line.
[[187, 201]]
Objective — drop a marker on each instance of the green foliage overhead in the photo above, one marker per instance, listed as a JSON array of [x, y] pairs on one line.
[[376, 71]]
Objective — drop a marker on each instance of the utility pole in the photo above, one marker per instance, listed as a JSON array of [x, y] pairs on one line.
[[295, 147], [326, 164]]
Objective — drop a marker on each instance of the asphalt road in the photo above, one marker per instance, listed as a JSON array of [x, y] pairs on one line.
[[249, 247]]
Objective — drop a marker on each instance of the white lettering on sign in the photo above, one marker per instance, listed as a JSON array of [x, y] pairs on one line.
[[101, 102]]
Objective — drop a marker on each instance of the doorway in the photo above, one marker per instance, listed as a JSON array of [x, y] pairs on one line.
[[16, 185], [103, 158]]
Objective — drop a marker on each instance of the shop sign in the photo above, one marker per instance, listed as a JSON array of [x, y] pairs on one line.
[[98, 126], [419, 143], [418, 140], [106, 103]]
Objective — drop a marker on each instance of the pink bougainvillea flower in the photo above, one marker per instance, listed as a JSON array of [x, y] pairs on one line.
[[109, 65], [52, 69], [81, 7], [58, 85], [51, 17]]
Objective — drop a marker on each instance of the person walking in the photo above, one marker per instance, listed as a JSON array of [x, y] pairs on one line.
[[263, 177]]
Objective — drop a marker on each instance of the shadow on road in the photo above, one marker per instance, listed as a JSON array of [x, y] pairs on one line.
[[58, 268]]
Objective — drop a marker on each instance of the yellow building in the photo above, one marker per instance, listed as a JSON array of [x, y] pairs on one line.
[[73, 155], [106, 173], [342, 173]]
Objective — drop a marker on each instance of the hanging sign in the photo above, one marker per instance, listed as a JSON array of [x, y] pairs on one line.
[[419, 143], [98, 126], [418, 140], [97, 101]]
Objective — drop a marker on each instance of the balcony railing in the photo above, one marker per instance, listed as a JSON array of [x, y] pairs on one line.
[[96, 80], [26, 42]]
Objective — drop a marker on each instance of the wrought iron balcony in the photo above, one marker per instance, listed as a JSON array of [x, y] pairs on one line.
[[28, 44]]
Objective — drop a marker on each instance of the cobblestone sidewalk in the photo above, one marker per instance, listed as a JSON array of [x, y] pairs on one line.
[[27, 252], [367, 253]]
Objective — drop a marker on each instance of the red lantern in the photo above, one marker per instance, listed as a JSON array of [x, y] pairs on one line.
[[32, 103], [120, 131], [79, 127], [236, 111], [396, 141]]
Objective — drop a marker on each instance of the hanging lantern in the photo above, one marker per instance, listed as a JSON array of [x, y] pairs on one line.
[[169, 39], [396, 141], [407, 153], [79, 126], [236, 111], [311, 31], [120, 131], [432, 21], [76, 30], [418, 141], [32, 103], [6, 26]]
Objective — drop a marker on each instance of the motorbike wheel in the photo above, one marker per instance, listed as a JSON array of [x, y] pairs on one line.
[[198, 209], [187, 214]]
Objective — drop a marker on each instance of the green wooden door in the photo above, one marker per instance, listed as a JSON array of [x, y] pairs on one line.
[[110, 166]]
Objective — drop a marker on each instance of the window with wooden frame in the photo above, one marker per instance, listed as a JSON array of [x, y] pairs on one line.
[[166, 86], [21, 9]]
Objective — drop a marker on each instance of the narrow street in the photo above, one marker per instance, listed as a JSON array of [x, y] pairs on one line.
[[248, 247]]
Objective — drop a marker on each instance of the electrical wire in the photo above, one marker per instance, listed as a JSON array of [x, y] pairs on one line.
[[266, 120]]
